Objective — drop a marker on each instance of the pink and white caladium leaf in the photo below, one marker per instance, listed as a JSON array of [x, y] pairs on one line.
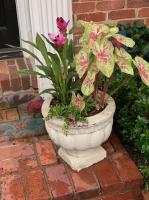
[[82, 62], [92, 32], [88, 84], [122, 53], [111, 31], [124, 61], [125, 66], [104, 57], [114, 30], [77, 101], [93, 68], [143, 68], [128, 42], [86, 26], [96, 35]]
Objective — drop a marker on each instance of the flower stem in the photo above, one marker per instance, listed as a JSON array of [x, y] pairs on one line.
[[96, 83], [105, 89]]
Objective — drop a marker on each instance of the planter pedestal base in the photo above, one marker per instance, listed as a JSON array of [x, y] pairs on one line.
[[82, 159], [81, 147]]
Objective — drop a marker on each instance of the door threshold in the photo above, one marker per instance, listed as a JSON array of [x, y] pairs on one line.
[[8, 53]]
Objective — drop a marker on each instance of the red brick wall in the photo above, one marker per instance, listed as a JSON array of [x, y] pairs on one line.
[[10, 80], [119, 10]]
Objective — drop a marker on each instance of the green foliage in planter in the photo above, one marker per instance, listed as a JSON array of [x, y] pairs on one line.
[[73, 116], [132, 115], [68, 113]]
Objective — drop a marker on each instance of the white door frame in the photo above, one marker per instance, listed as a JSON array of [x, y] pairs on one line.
[[40, 16]]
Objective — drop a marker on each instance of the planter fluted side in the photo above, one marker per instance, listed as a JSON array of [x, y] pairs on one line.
[[81, 147]]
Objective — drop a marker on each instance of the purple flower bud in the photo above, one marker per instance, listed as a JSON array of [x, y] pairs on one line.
[[62, 24], [59, 40]]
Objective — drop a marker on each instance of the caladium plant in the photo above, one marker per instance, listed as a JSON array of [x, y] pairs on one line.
[[103, 48]]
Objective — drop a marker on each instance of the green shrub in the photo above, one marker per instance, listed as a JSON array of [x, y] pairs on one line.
[[132, 119], [132, 115], [140, 34]]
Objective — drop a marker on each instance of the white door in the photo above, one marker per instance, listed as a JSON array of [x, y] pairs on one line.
[[40, 16]]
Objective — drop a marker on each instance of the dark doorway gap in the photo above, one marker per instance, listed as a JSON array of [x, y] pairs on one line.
[[9, 31]]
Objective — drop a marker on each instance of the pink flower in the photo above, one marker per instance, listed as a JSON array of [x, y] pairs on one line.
[[72, 117], [98, 106], [71, 125], [59, 40], [61, 24], [35, 106]]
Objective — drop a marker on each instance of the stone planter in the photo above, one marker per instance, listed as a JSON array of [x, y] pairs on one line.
[[82, 146]]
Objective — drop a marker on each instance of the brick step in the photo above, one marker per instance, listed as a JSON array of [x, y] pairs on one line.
[[10, 81], [145, 195], [30, 168], [17, 122]]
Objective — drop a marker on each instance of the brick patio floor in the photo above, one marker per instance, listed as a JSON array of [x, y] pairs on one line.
[[145, 195], [31, 170]]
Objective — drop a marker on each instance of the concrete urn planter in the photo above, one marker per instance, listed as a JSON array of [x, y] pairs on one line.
[[81, 147]]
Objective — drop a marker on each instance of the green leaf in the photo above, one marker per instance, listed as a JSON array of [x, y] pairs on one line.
[[137, 36], [42, 48], [71, 75], [70, 51], [47, 91], [55, 57], [45, 69], [51, 44], [56, 67], [140, 25], [145, 50], [27, 51], [63, 55], [31, 43], [71, 30], [28, 72]]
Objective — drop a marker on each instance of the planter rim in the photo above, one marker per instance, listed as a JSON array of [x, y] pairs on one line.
[[98, 118]]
